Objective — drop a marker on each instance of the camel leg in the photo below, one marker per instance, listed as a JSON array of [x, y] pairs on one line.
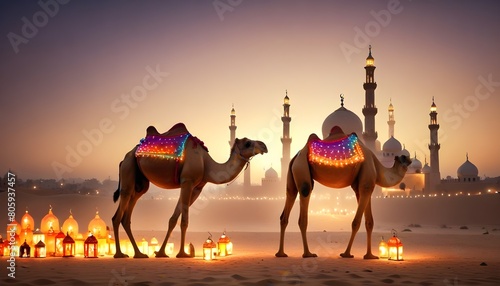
[[303, 219], [171, 225], [362, 203], [186, 192], [117, 219], [126, 225], [369, 228], [291, 195]]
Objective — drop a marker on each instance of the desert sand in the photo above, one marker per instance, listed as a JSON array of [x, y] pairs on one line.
[[432, 256]]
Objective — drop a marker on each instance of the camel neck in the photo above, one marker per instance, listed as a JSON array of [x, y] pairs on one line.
[[218, 173]]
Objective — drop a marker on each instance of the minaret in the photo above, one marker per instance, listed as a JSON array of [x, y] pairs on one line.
[[391, 121], [232, 128], [285, 140], [369, 110], [434, 146]]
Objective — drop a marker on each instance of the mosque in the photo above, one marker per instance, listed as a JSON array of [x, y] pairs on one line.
[[420, 179]]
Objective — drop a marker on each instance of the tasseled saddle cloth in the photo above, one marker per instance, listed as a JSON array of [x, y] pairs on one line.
[[164, 147], [340, 153]]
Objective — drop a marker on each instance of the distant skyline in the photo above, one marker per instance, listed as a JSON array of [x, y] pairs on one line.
[[81, 81]]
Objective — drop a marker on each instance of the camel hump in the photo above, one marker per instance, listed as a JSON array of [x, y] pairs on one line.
[[151, 130], [312, 137], [177, 129], [336, 130]]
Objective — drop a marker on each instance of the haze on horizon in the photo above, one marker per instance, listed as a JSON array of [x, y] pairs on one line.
[[194, 59]]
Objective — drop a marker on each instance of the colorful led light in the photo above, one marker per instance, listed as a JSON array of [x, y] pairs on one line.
[[164, 147], [338, 153]]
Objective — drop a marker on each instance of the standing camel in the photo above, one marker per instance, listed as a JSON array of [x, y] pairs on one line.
[[173, 160], [337, 162]]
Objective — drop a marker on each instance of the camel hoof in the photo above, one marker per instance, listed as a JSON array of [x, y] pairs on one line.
[[183, 255], [120, 255], [346, 255], [140, 255], [281, 254], [309, 255], [370, 256], [161, 254]]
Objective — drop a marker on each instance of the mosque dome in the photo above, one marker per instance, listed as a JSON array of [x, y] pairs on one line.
[[271, 174], [467, 169], [405, 152], [426, 169], [415, 166], [345, 119], [392, 146]]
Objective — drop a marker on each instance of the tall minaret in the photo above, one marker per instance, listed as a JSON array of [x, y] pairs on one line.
[[369, 110], [285, 140], [434, 146], [232, 128], [391, 121]]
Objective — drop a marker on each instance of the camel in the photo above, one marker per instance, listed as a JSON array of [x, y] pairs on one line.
[[171, 160], [352, 164]]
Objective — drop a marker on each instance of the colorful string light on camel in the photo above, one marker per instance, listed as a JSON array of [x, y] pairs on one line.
[[164, 147], [343, 152]]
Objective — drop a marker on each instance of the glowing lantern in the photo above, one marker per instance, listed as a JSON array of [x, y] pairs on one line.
[[111, 245], [14, 227], [26, 235], [40, 250], [98, 227], [50, 242], [383, 250], [38, 236], [70, 225], [6, 250], [395, 247], [153, 246], [1, 245], [49, 223], [188, 249], [222, 245], [27, 222], [90, 247], [68, 245], [79, 241], [24, 250], [12, 250], [59, 244], [144, 246], [209, 248]]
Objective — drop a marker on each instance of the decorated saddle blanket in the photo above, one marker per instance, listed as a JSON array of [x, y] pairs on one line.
[[164, 147], [342, 152]]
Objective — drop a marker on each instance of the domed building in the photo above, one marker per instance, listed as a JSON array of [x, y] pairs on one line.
[[390, 149], [345, 119], [467, 172]]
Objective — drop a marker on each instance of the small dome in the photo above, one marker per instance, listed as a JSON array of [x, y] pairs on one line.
[[392, 145], [50, 223], [415, 166], [405, 152], [97, 227], [27, 221], [345, 119], [426, 169], [467, 169], [70, 226], [271, 173]]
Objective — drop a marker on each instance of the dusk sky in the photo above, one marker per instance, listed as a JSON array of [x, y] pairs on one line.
[[68, 70]]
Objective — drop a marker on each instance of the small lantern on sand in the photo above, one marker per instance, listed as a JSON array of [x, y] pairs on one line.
[[40, 250], [90, 247], [383, 250], [223, 243], [209, 248], [24, 250], [68, 246], [395, 247]]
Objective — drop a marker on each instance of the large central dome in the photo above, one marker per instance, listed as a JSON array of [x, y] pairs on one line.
[[345, 119]]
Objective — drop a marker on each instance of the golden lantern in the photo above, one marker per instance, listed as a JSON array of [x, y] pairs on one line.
[[49, 223], [144, 246], [395, 247], [70, 226], [26, 235], [90, 247], [1, 245], [40, 250], [24, 250], [153, 246], [98, 227], [383, 250], [59, 244], [27, 222], [188, 249], [50, 242], [6, 250], [79, 241], [12, 250], [14, 227], [68, 245], [111, 245], [169, 249], [222, 245], [38, 236], [209, 248]]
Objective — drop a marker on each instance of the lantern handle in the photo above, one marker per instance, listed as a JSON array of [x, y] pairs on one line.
[[394, 232]]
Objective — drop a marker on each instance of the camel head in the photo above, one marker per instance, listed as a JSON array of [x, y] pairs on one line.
[[403, 161], [247, 148]]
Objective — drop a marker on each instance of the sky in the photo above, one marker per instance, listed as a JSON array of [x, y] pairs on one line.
[[81, 81]]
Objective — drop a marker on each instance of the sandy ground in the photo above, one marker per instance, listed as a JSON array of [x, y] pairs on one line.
[[432, 257]]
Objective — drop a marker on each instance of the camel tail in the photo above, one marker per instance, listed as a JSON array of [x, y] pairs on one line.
[[116, 194]]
